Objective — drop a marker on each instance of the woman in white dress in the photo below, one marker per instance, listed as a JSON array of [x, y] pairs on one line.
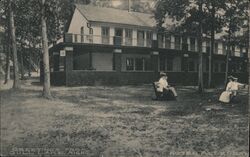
[[231, 90]]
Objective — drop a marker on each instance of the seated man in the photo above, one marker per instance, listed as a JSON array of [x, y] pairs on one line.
[[164, 87]]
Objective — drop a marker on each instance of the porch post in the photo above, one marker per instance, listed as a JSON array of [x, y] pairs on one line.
[[117, 61], [155, 54], [68, 64]]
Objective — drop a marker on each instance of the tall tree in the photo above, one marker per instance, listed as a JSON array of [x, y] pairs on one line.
[[179, 11], [236, 12], [200, 32], [16, 83], [214, 7], [46, 82], [4, 18]]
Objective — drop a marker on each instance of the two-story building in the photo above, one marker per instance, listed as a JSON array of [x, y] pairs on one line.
[[112, 46]]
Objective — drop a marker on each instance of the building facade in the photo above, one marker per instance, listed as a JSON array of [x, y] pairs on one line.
[[111, 46]]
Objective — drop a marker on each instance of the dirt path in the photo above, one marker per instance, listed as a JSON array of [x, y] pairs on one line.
[[121, 121]]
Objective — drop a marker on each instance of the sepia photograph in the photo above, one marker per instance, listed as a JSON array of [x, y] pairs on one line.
[[124, 78]]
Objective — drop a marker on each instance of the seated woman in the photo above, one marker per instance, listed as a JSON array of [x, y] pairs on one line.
[[231, 90], [164, 87]]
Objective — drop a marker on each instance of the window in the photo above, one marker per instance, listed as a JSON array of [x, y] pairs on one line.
[[149, 39], [139, 62], [90, 31], [216, 48], [192, 44], [130, 64], [128, 33], [177, 40], [184, 43], [75, 38], [169, 64], [105, 31], [160, 40], [140, 38], [128, 37], [167, 41], [105, 35], [208, 46], [224, 49]]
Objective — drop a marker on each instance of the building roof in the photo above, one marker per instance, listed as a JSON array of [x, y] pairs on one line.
[[111, 15]]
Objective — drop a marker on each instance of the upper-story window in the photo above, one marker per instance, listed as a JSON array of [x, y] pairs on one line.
[[192, 44], [208, 46], [184, 43], [177, 41], [90, 36], [140, 38], [149, 38], [105, 31], [224, 49], [90, 31], [168, 41], [128, 37], [160, 40], [216, 46], [105, 35]]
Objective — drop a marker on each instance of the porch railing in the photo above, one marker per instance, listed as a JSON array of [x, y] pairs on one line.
[[125, 41]]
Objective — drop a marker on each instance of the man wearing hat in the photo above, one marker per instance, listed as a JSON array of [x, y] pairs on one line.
[[163, 85]]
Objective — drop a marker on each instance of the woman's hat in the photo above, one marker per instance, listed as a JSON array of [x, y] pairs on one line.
[[163, 74], [233, 78]]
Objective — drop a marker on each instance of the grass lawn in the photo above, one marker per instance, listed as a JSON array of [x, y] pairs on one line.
[[121, 122]]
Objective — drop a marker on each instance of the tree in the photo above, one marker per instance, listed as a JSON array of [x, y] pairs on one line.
[[46, 82], [4, 18], [200, 73], [16, 83], [213, 8], [236, 12], [179, 10]]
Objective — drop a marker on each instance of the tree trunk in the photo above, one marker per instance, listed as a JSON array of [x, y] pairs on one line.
[[210, 70], [248, 55], [29, 68], [21, 60], [7, 49], [227, 58], [46, 82], [200, 79], [16, 83]]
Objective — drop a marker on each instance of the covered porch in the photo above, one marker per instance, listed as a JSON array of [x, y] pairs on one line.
[[80, 64]]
